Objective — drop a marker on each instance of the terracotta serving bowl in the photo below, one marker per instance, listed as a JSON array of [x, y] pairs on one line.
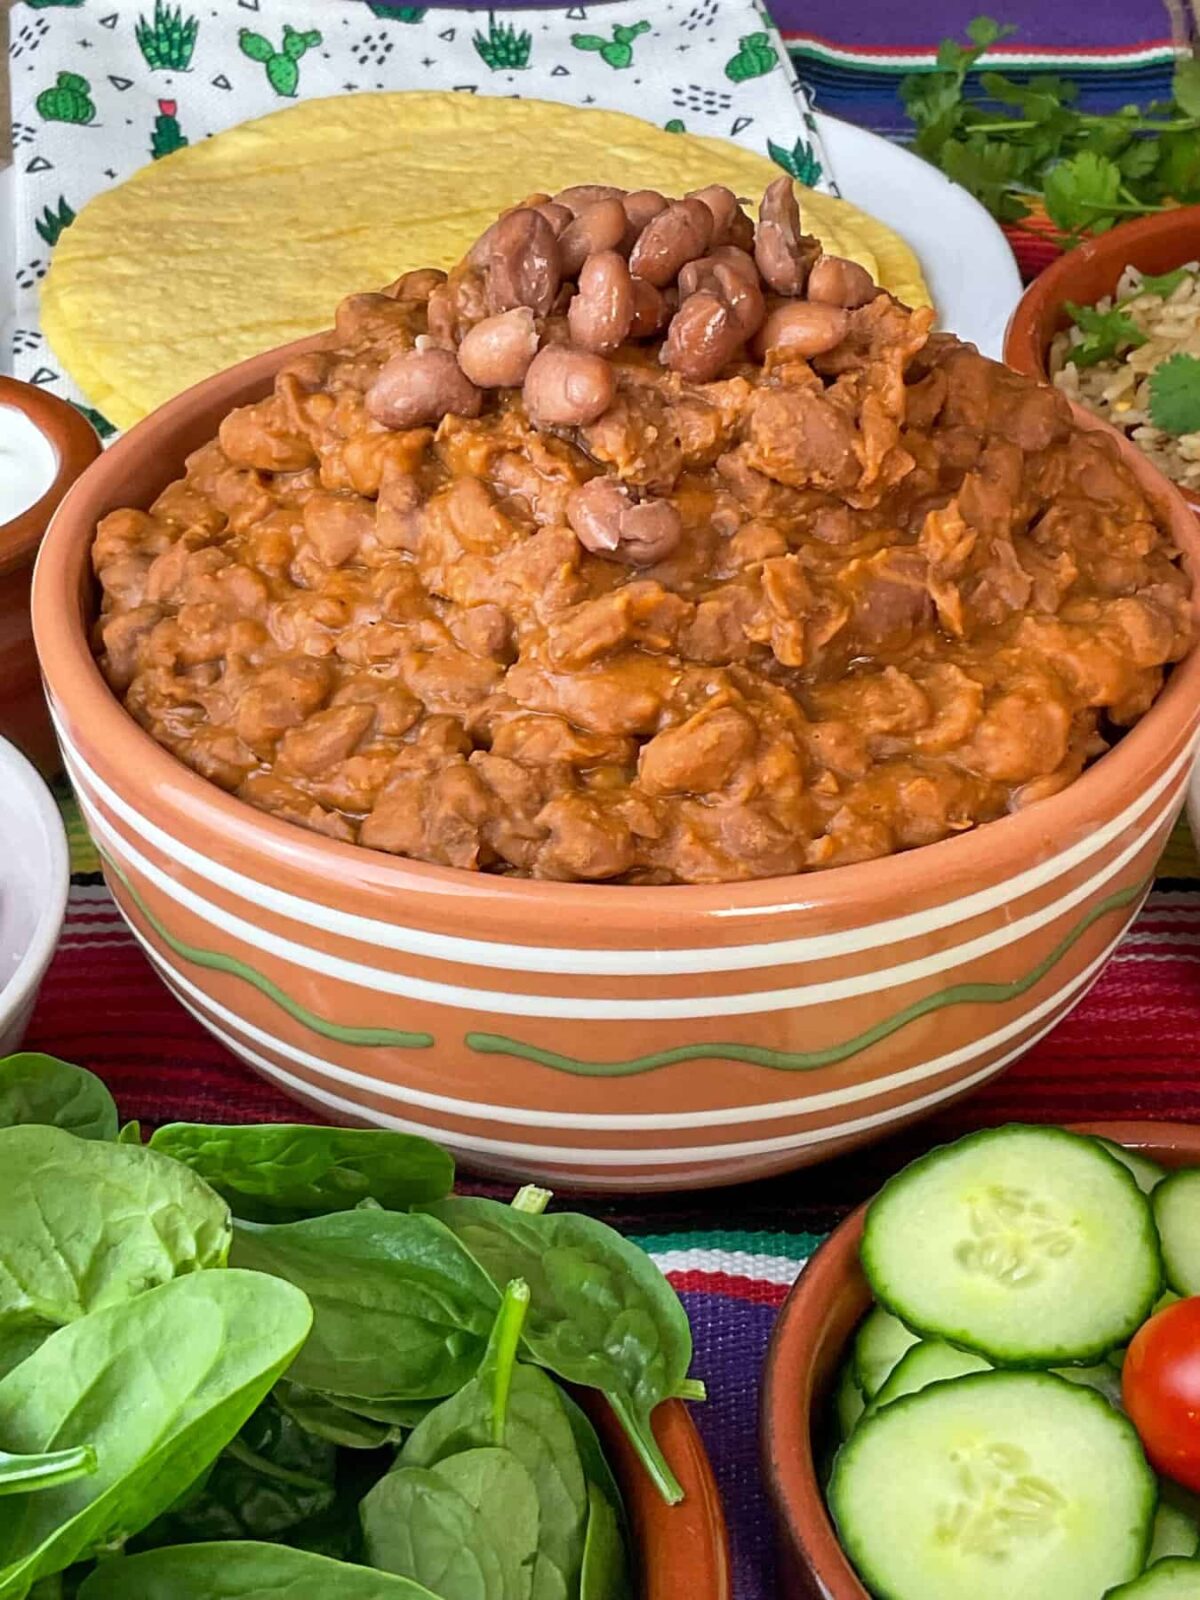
[[592, 1034], [23, 715], [807, 1348], [678, 1550], [1156, 244]]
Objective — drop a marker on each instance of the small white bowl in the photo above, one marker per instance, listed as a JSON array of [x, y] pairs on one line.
[[1193, 805], [35, 876]]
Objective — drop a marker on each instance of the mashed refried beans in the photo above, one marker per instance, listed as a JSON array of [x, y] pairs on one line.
[[716, 574]]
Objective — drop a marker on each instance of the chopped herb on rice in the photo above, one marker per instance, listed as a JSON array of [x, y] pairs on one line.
[[1107, 359]]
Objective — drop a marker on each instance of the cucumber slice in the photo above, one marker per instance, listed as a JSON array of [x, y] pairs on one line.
[[1000, 1486], [848, 1402], [881, 1341], [1174, 1534], [1029, 1245], [931, 1361], [1103, 1379], [1167, 1580], [1177, 1212], [1147, 1174]]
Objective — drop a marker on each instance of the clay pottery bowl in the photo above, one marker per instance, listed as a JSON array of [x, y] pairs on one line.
[[807, 1348], [596, 1036], [677, 1550], [23, 715], [1154, 244]]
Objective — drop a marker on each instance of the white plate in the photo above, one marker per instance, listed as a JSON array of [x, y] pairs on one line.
[[968, 265]]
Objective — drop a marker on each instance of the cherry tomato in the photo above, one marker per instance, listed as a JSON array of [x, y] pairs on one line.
[[1160, 1385]]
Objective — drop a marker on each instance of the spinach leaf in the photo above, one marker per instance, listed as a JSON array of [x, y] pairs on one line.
[[85, 1225], [519, 1407], [45, 1468], [321, 1416], [602, 1314], [400, 1310], [495, 1483], [268, 1480], [418, 1526], [242, 1571], [595, 1465], [19, 1340], [42, 1089], [280, 1172], [396, 1413], [605, 1560], [158, 1386]]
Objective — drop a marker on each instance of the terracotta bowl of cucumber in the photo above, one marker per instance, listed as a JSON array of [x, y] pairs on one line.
[[1038, 1437]]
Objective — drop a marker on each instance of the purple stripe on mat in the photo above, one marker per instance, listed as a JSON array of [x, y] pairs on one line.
[[731, 1346]]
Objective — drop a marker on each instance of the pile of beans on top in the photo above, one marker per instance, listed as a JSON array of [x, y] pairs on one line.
[[648, 545], [621, 267]]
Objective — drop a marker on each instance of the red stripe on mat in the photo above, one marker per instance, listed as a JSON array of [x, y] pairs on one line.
[[731, 1286]]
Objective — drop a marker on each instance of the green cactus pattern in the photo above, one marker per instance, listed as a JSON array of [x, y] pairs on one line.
[[41, 5], [801, 161], [676, 125], [282, 66], [97, 419], [167, 43], [502, 48], [617, 51], [70, 100], [380, 8], [54, 221], [167, 135], [756, 56]]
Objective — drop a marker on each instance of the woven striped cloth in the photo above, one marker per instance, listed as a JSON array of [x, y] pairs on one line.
[[1128, 1051]]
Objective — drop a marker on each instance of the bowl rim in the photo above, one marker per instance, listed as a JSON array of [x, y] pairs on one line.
[[678, 1548], [1023, 350], [985, 854], [804, 1526], [33, 798], [76, 445]]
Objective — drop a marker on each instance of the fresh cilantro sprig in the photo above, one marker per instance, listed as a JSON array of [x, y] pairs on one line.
[[1106, 334], [1013, 143], [1175, 395]]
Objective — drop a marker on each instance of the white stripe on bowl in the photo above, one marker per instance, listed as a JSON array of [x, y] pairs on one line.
[[599, 963], [588, 1155], [563, 1007], [526, 1116]]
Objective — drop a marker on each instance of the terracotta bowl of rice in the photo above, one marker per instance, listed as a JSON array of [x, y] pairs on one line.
[[1108, 272]]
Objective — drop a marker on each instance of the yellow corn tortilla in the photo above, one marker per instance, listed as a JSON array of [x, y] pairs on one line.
[[251, 238]]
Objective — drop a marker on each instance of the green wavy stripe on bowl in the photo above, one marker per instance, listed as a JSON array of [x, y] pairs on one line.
[[496, 1044], [216, 962]]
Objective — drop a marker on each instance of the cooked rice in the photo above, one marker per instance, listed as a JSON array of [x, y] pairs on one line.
[[1119, 389]]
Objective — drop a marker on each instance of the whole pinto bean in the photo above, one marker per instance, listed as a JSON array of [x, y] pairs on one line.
[[567, 388], [641, 207], [803, 328], [496, 353], [732, 275], [600, 227], [834, 281], [559, 217], [608, 522], [417, 388], [582, 195], [652, 310], [722, 202], [703, 337], [670, 240], [784, 254], [522, 263], [601, 314]]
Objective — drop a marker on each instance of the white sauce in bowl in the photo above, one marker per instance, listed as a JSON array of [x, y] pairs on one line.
[[28, 463]]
